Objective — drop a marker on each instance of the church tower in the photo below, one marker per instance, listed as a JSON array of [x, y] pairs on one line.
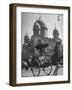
[[40, 28], [26, 39], [55, 33]]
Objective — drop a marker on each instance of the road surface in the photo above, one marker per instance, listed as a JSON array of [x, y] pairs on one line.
[[28, 73]]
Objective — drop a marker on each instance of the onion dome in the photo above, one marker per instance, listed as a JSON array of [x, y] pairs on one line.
[[36, 26], [39, 24], [26, 38]]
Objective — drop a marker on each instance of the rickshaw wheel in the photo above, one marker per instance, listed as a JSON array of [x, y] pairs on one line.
[[35, 68], [48, 66]]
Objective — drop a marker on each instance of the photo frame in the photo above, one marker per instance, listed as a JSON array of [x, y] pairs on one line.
[[39, 44]]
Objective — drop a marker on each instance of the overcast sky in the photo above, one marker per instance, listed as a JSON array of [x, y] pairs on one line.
[[28, 19]]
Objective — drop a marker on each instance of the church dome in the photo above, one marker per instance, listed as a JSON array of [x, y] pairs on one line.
[[39, 24], [26, 38]]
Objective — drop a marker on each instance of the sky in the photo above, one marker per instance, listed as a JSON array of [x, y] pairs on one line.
[[50, 20]]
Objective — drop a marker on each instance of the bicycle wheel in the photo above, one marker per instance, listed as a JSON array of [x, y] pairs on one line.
[[47, 66], [35, 68]]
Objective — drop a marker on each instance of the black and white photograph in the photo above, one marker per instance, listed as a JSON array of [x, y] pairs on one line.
[[41, 44]]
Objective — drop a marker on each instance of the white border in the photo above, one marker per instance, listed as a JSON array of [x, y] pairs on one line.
[[64, 77]]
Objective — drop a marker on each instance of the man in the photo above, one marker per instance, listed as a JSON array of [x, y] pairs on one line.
[[56, 57]]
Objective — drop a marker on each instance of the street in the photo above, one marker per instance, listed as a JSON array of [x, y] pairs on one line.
[[29, 73]]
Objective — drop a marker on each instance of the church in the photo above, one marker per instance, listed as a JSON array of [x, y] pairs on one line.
[[40, 34]]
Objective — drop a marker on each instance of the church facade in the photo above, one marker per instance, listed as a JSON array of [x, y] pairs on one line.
[[40, 33]]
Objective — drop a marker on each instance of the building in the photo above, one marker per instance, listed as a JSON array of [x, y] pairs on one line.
[[56, 35], [40, 33], [40, 28]]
